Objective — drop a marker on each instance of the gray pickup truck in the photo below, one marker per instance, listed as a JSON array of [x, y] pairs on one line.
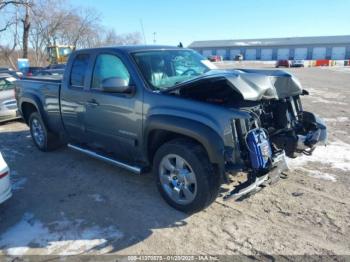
[[170, 110]]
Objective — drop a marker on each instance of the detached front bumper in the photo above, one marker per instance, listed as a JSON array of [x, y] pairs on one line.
[[266, 165], [254, 182]]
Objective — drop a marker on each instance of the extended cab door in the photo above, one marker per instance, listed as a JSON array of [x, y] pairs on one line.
[[74, 96], [114, 120]]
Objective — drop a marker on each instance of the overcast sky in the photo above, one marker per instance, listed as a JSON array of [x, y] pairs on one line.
[[189, 20]]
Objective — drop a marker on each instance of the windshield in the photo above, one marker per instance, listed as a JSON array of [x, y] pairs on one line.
[[164, 69]]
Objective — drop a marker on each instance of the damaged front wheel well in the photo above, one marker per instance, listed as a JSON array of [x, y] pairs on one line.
[[159, 137]]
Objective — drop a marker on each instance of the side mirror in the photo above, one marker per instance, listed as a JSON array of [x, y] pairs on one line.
[[305, 92], [116, 85]]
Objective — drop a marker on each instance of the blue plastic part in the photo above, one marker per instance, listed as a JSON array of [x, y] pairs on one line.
[[259, 148]]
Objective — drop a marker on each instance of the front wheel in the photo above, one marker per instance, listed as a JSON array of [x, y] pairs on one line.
[[43, 139], [184, 175]]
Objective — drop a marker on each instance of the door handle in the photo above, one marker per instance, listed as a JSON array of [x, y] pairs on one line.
[[92, 102]]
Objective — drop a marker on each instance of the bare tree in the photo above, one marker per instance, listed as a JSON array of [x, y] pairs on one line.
[[7, 51], [26, 4], [112, 38], [81, 25], [8, 24], [132, 38], [26, 27], [3, 5], [50, 22], [44, 26]]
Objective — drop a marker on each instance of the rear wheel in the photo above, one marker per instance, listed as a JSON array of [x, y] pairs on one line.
[[185, 176], [43, 139]]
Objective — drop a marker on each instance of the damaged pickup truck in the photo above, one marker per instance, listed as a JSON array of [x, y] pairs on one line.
[[169, 110]]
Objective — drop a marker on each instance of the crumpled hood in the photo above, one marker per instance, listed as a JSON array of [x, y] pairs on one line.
[[254, 84]]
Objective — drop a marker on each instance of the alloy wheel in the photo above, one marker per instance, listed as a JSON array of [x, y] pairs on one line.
[[178, 179]]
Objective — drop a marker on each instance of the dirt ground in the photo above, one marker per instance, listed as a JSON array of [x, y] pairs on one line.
[[67, 203]]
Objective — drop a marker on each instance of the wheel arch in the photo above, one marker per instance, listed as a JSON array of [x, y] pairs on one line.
[[29, 105], [161, 128]]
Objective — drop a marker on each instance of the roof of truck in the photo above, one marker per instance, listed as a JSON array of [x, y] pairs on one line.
[[134, 48]]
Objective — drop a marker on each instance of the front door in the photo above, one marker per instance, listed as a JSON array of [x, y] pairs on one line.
[[113, 121]]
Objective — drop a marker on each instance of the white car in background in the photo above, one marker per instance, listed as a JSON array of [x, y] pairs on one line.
[[8, 104], [5, 184], [298, 63]]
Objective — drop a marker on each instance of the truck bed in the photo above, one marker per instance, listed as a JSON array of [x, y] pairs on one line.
[[45, 91], [47, 78]]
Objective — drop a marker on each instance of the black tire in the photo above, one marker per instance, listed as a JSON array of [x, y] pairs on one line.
[[50, 141], [207, 181]]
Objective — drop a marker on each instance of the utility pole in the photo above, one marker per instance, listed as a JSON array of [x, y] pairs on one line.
[[154, 37]]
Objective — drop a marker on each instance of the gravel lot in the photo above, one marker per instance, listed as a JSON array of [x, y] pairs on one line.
[[67, 203]]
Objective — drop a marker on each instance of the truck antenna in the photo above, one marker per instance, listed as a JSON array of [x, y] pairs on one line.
[[143, 32]]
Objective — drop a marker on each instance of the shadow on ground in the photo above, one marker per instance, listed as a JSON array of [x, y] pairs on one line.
[[67, 202]]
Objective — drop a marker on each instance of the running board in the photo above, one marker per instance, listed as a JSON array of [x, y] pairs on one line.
[[133, 169]]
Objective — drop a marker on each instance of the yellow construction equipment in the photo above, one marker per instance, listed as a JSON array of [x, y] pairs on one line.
[[58, 54]]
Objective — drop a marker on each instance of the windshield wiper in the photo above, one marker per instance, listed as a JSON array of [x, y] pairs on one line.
[[187, 80], [178, 83]]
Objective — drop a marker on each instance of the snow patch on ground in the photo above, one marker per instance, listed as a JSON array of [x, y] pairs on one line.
[[325, 101], [10, 154], [320, 175], [60, 238], [336, 154], [338, 69], [338, 119], [97, 198], [23, 233], [326, 94], [17, 182]]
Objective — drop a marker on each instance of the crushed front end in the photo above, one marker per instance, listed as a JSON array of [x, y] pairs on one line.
[[276, 129], [274, 126]]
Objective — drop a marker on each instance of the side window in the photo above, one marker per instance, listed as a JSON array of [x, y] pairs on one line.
[[108, 66], [79, 70]]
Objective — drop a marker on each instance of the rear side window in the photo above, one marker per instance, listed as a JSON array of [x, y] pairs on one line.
[[108, 66], [79, 70]]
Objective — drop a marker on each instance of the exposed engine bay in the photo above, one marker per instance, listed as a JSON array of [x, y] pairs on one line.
[[272, 98]]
